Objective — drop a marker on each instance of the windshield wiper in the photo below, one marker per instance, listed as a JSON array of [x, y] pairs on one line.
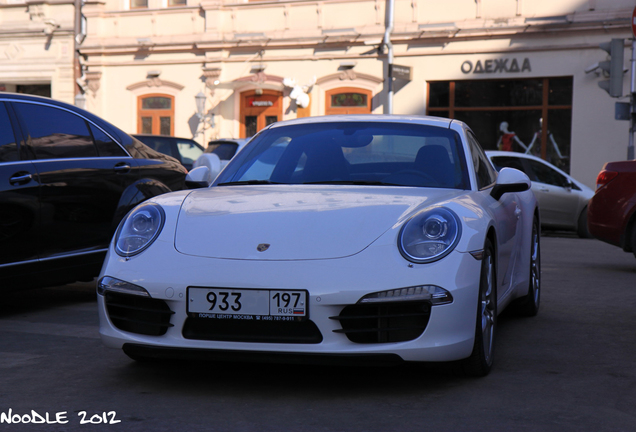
[[355, 182], [248, 182]]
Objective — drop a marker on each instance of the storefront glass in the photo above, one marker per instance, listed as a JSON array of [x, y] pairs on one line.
[[510, 114]]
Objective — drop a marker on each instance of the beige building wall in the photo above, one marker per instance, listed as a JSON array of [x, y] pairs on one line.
[[36, 46]]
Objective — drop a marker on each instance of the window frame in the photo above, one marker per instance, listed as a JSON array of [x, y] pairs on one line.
[[155, 114]]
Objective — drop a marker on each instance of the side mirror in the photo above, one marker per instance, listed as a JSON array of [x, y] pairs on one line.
[[212, 162], [198, 178], [510, 180]]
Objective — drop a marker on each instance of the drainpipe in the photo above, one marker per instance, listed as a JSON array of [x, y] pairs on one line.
[[388, 108], [76, 62]]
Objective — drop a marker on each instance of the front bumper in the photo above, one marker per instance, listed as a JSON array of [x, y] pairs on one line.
[[332, 286]]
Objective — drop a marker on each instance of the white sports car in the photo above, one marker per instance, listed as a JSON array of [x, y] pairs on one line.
[[341, 238]]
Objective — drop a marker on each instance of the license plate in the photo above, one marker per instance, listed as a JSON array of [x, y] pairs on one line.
[[225, 303]]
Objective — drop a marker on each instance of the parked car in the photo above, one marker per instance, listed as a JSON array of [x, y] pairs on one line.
[[185, 150], [562, 200], [611, 215], [67, 178], [217, 155], [370, 238], [226, 148]]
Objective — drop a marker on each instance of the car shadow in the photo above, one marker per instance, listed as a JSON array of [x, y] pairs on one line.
[[33, 300]]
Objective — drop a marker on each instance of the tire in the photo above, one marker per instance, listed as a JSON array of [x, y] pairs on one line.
[[480, 361], [581, 229], [529, 304]]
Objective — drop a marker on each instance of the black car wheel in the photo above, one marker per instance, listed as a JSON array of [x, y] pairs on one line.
[[529, 304], [481, 359]]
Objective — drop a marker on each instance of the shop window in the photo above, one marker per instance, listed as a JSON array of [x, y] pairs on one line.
[[156, 115], [524, 115], [348, 100]]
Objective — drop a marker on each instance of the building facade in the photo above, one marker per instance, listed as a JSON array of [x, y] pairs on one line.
[[519, 72]]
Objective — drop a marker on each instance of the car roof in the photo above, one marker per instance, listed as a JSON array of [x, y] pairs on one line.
[[379, 118]]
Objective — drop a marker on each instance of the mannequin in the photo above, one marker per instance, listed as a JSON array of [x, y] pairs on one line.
[[537, 136], [507, 138]]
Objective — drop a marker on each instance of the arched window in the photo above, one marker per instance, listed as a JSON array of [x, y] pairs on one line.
[[348, 100], [155, 114]]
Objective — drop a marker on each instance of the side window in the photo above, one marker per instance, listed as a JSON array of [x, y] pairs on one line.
[[8, 146], [545, 174], [106, 146], [55, 133], [486, 174]]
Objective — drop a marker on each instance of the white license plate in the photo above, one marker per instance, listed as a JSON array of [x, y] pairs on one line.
[[232, 303]]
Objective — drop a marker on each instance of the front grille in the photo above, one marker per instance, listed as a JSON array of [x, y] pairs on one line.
[[137, 314], [234, 330], [384, 322]]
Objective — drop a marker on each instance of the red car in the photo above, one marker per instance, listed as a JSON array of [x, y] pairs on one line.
[[610, 214]]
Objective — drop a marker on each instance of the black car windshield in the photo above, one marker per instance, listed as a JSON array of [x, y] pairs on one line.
[[357, 153]]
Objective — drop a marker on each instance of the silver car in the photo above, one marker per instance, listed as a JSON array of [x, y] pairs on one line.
[[562, 199]]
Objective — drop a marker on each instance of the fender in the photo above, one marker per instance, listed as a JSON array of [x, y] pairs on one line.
[[135, 194]]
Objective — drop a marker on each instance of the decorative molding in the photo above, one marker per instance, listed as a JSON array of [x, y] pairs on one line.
[[155, 82], [260, 77], [93, 81], [350, 75], [211, 75]]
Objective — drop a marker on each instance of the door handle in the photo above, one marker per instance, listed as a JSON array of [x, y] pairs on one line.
[[20, 179], [122, 167]]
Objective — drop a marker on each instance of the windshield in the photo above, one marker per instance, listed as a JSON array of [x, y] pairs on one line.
[[373, 153]]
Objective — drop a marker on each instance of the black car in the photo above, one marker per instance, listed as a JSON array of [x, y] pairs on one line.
[[67, 178], [185, 150]]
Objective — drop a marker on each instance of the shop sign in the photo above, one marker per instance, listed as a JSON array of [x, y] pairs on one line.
[[260, 103], [400, 72], [493, 66]]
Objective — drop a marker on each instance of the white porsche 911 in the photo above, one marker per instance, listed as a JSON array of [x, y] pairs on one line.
[[342, 238]]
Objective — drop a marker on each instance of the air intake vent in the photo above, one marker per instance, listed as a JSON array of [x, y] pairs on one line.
[[384, 322], [137, 314]]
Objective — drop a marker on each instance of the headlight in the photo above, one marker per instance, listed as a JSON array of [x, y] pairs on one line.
[[140, 228], [429, 235]]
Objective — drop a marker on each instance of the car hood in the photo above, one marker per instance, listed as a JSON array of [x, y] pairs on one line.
[[295, 222]]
